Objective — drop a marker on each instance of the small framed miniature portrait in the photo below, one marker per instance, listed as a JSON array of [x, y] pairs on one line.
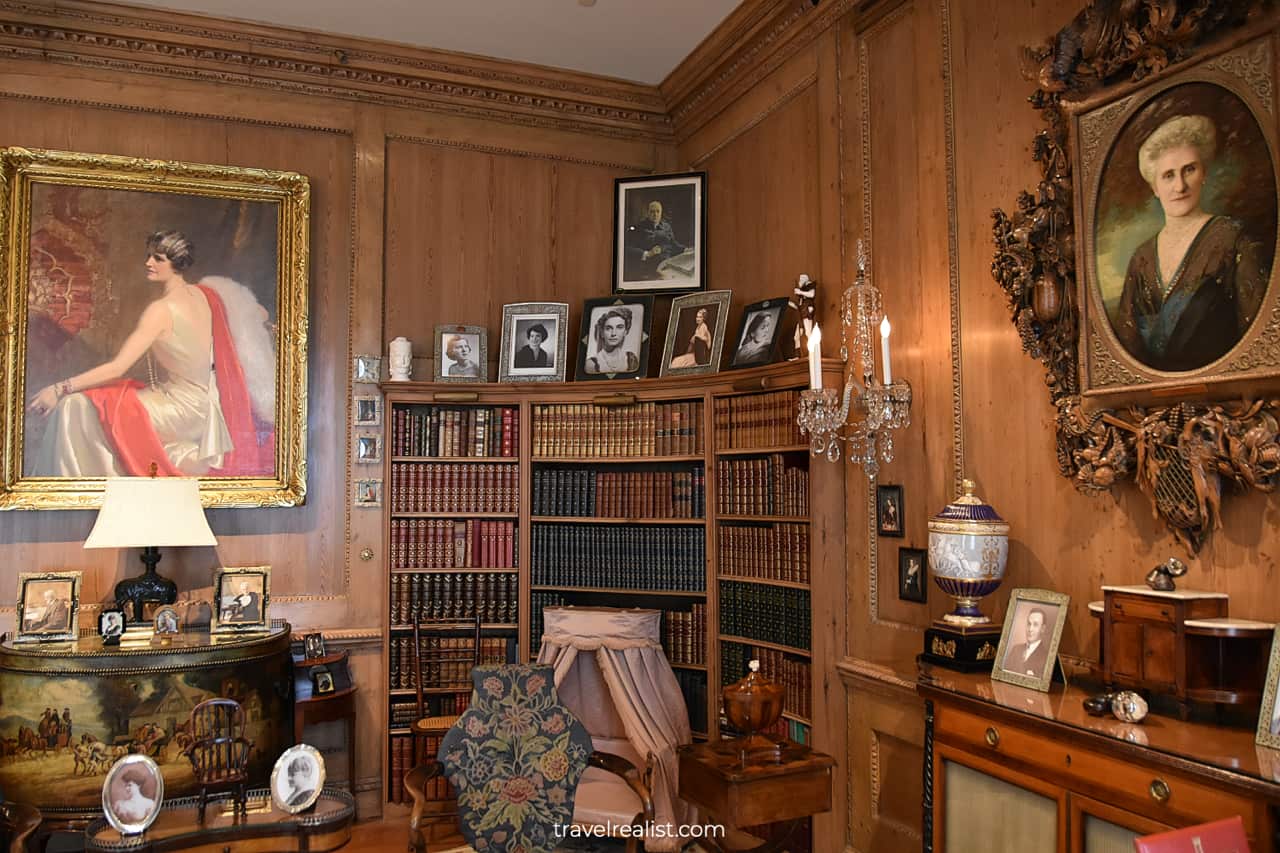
[[367, 369], [297, 778], [462, 354], [166, 621], [1269, 718], [913, 574], [111, 625], [757, 341], [313, 646], [321, 679], [535, 337], [368, 411], [614, 340], [368, 449], [368, 493], [695, 333], [132, 794], [48, 606], [889, 510], [243, 595], [1033, 626]]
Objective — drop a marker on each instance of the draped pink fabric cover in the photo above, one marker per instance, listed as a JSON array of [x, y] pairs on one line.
[[611, 672]]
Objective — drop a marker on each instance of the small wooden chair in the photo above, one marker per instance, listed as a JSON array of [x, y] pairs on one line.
[[220, 752]]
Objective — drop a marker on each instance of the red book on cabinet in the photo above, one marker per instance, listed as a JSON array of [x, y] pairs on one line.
[[1221, 836]]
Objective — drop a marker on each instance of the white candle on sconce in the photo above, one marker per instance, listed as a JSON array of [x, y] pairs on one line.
[[815, 358], [884, 349]]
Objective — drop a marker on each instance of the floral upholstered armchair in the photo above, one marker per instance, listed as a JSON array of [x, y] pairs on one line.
[[515, 758]]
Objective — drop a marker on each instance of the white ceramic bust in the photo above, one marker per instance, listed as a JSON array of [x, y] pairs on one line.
[[401, 359]]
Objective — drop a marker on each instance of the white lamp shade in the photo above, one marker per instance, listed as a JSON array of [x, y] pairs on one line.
[[138, 512]]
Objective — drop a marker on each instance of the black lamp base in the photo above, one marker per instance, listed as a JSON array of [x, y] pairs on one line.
[[147, 587]]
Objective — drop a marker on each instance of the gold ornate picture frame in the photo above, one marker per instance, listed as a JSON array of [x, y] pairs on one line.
[[1184, 435], [1268, 716], [48, 607], [173, 257], [241, 600], [1033, 624]]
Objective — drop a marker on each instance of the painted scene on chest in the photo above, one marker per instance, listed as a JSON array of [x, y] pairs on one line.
[[1185, 228], [59, 738], [151, 334]]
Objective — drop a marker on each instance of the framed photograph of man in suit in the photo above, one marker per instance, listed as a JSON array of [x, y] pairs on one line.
[[660, 234], [1029, 643], [241, 598]]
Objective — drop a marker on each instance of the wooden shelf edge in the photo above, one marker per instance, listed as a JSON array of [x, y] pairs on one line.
[[753, 451], [777, 647], [609, 589], [788, 519]]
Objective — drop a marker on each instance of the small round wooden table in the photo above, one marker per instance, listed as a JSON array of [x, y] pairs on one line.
[[311, 707]]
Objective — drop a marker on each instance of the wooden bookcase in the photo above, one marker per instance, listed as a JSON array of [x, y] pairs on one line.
[[616, 504]]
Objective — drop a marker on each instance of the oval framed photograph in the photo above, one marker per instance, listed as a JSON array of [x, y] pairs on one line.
[[132, 794], [297, 778]]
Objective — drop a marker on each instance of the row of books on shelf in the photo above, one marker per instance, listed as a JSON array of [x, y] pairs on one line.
[[401, 750], [454, 595], [436, 673], [758, 420], [450, 487], [619, 556], [433, 705], [771, 614], [453, 543], [538, 601], [792, 672], [642, 429], [620, 494], [693, 685], [762, 486], [777, 551], [684, 635], [455, 431]]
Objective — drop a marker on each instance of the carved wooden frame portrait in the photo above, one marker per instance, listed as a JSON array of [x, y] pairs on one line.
[[1133, 400], [106, 260]]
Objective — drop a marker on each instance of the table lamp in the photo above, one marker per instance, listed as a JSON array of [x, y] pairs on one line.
[[146, 513]]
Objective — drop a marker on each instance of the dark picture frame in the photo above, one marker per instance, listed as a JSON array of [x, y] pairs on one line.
[[523, 359], [889, 511], [111, 625], [367, 410], [1029, 645], [660, 233], [313, 646], [321, 679], [913, 574], [764, 317], [48, 608], [242, 599], [603, 321], [461, 353], [695, 333]]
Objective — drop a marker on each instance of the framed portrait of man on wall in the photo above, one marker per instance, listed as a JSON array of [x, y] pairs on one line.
[[659, 234]]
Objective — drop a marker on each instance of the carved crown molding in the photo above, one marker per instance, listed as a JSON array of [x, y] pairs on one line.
[[105, 36]]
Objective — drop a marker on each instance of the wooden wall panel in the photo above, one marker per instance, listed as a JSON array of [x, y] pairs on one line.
[[885, 754]]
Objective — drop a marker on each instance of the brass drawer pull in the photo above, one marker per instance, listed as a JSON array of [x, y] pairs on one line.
[[993, 737], [1159, 790]]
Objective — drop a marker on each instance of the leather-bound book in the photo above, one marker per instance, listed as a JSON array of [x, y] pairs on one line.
[[1221, 836]]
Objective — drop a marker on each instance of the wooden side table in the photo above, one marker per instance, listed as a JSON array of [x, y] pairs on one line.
[[311, 707], [738, 794]]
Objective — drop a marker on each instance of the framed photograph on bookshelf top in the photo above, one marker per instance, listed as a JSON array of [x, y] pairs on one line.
[[660, 233], [614, 341], [462, 354], [758, 337], [535, 338], [695, 333]]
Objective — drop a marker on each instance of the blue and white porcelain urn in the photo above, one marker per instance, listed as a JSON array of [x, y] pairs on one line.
[[968, 548]]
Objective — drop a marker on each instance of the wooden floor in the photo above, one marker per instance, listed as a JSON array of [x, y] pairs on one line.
[[388, 834]]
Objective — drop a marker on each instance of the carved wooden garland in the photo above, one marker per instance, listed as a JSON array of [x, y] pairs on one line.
[[1180, 454]]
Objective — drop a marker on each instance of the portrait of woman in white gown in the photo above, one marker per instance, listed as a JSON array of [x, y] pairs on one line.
[[207, 404]]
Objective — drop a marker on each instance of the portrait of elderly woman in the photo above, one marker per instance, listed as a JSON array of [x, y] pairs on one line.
[[1186, 228]]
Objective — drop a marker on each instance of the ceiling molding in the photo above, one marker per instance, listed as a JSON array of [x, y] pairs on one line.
[[112, 37]]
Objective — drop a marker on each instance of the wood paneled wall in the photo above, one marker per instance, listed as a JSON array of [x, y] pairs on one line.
[[922, 125]]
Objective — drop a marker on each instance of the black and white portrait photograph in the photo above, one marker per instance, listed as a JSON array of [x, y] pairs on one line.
[[313, 646], [368, 411], [132, 794], [889, 511], [48, 606], [297, 778], [695, 333], [534, 342], [111, 624], [1033, 626], [462, 354], [321, 679], [166, 621], [243, 596], [660, 234], [614, 340], [757, 341], [913, 574]]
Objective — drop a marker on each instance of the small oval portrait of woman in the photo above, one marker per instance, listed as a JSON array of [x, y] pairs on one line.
[[132, 794], [1185, 227]]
